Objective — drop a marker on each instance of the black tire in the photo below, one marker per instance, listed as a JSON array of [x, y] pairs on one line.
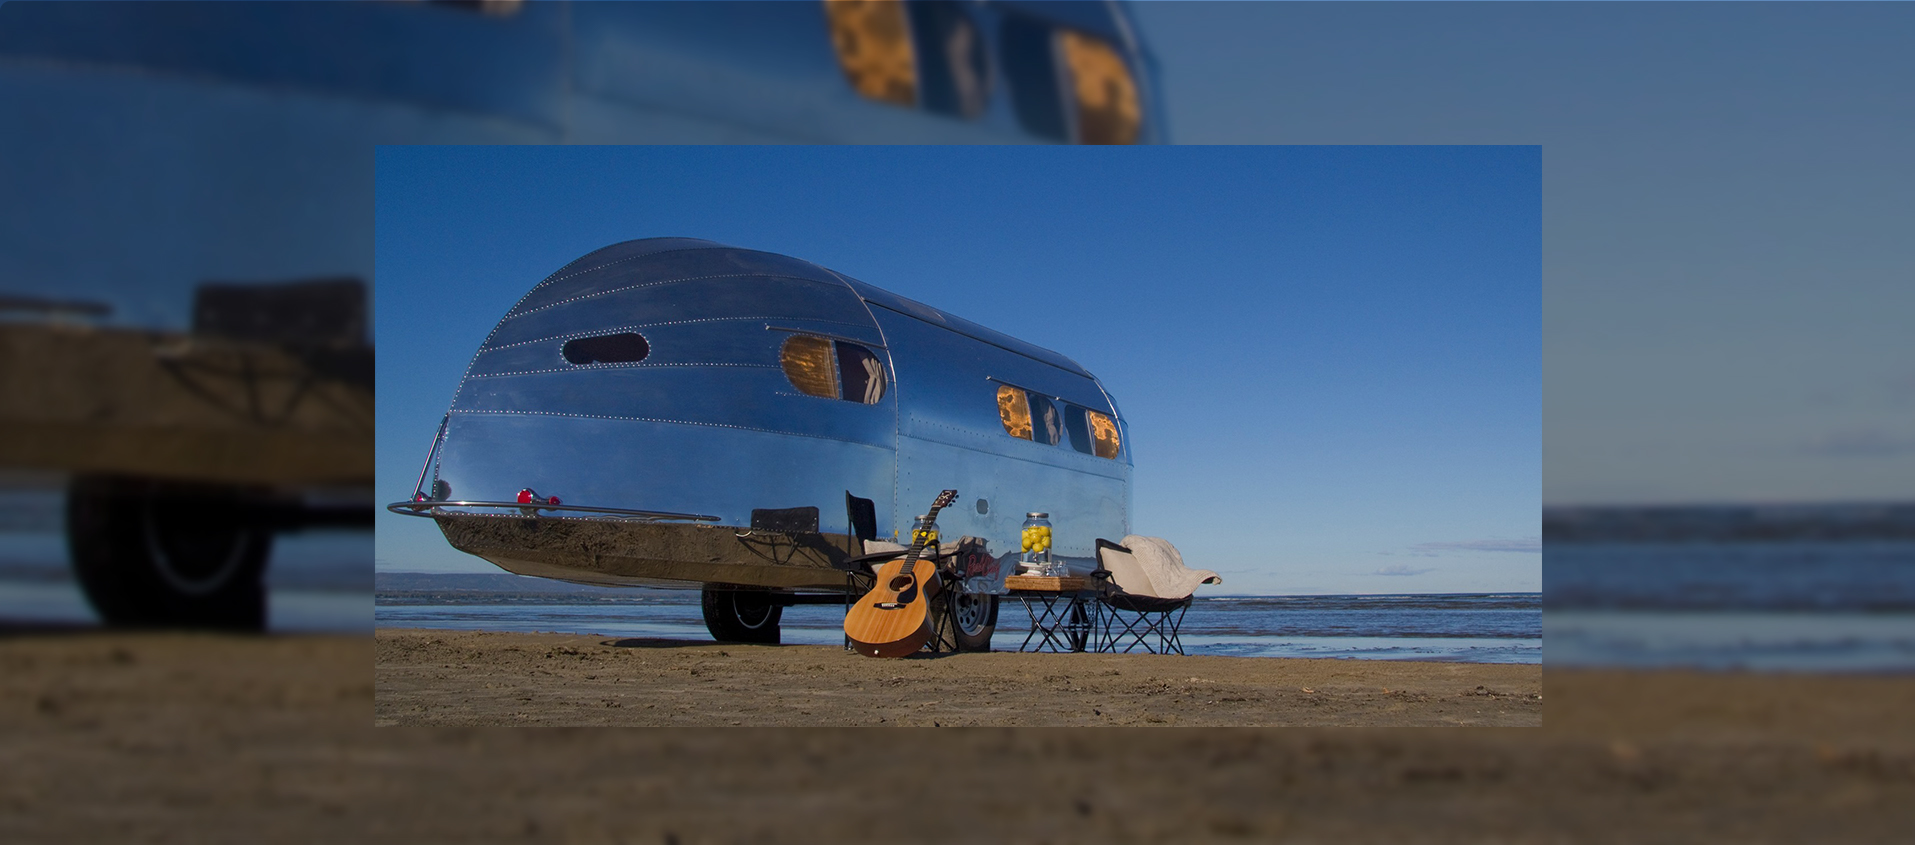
[[974, 618], [167, 554], [741, 616]]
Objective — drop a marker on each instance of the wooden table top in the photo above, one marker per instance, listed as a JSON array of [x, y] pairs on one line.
[[1046, 584]]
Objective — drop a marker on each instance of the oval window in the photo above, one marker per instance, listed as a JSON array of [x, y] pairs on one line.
[[622, 348]]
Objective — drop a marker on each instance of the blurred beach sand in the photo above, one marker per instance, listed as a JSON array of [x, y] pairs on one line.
[[142, 737]]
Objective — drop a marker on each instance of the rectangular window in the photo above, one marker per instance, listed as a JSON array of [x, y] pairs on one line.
[[863, 374], [1046, 426], [1105, 98], [1103, 435], [873, 40], [1014, 410], [1079, 429]]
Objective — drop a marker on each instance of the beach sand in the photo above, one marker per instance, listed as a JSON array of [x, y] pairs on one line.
[[436, 677], [130, 737]]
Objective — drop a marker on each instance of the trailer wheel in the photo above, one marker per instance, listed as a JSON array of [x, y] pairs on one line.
[[741, 616], [165, 554], [974, 618]]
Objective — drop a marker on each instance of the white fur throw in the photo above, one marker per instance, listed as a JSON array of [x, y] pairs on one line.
[[1159, 564]]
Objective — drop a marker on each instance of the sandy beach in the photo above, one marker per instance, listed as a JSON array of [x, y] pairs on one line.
[[438, 677], [183, 737]]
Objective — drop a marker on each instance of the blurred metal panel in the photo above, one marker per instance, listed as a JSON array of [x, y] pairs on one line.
[[431, 54], [85, 399]]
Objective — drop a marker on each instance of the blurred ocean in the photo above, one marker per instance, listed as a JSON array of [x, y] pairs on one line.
[[1793, 606], [1481, 628]]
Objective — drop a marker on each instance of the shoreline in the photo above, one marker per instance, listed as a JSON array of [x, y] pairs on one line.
[[471, 678]]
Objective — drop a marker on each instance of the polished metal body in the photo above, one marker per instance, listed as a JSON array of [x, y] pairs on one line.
[[708, 425]]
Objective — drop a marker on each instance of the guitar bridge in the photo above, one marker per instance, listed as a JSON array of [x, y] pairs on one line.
[[887, 605]]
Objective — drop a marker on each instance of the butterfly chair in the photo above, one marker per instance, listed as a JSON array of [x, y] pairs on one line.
[[1144, 589]]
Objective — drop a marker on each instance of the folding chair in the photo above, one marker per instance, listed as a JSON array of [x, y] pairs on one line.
[[1144, 589]]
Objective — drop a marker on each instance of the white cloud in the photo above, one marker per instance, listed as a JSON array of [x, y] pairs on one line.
[[1860, 443], [1531, 545], [1401, 569]]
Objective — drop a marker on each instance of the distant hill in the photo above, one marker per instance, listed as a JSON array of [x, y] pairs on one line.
[[1729, 523]]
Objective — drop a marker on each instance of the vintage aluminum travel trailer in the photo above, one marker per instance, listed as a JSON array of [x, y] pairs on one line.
[[676, 411]]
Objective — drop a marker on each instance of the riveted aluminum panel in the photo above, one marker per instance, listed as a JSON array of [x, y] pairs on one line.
[[950, 436], [910, 307], [660, 262], [736, 297], [642, 465], [707, 421]]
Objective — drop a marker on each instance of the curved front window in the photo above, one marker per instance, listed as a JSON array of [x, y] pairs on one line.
[[819, 366]]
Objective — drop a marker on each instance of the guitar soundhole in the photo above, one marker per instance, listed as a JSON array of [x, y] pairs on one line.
[[900, 583]]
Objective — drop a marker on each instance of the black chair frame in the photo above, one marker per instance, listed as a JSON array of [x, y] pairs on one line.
[[1154, 624]]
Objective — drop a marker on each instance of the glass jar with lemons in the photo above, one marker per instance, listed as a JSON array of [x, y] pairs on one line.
[[1036, 558]]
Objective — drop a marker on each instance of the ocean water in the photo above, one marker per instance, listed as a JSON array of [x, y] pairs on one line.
[[1482, 628], [1797, 606]]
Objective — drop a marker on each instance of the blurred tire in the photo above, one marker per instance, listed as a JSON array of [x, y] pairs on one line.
[[741, 616], [168, 554]]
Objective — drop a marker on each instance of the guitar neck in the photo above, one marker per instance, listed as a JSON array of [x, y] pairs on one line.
[[918, 543]]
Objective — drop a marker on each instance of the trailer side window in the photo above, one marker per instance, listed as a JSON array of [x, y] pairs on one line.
[[1068, 85], [1105, 94], [832, 369], [1028, 416], [1014, 410], [1091, 433], [873, 40], [1045, 424], [1103, 434], [862, 374], [1078, 429], [926, 54]]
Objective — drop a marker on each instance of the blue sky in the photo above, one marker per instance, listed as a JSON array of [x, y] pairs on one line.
[[1329, 358], [1727, 263]]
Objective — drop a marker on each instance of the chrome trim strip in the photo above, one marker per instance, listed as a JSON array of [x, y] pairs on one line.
[[423, 508]]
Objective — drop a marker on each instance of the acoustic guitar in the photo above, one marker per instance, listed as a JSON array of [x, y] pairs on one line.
[[894, 619]]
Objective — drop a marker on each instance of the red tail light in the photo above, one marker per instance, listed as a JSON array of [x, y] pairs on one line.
[[551, 500], [526, 496]]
